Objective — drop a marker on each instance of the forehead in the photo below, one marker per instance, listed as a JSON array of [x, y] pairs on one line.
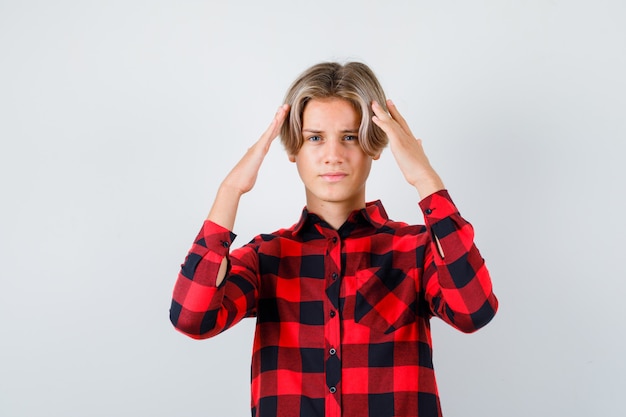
[[331, 112]]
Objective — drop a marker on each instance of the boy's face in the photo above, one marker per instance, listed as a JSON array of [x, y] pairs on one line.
[[331, 163]]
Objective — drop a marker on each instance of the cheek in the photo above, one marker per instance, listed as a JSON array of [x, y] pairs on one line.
[[306, 158], [303, 166], [365, 165]]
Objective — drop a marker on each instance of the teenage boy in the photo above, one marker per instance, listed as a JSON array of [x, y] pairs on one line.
[[343, 298]]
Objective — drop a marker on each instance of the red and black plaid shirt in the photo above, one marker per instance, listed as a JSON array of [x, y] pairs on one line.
[[342, 315]]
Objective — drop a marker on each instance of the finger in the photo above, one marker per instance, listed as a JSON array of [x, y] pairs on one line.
[[393, 110], [382, 119], [380, 114], [273, 129], [279, 119]]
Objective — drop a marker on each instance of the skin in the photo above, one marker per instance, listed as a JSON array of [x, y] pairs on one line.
[[331, 164], [407, 150]]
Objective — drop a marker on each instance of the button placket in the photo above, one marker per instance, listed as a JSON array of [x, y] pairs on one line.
[[333, 325]]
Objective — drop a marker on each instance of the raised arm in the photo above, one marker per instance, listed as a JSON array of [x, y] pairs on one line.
[[243, 176], [457, 284], [201, 306]]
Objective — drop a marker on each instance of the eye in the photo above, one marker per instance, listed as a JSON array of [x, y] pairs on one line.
[[351, 138], [314, 138]]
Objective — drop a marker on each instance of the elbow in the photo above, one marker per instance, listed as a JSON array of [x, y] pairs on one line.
[[193, 324], [485, 314], [185, 327], [471, 323], [476, 323]]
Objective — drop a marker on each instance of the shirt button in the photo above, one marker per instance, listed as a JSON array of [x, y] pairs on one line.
[[332, 313], [334, 239], [334, 275], [332, 390], [332, 351], [225, 244], [428, 211]]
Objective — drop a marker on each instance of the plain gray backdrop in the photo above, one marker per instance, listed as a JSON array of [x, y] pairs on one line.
[[118, 120]]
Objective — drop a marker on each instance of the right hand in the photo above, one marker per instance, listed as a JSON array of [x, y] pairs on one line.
[[243, 176]]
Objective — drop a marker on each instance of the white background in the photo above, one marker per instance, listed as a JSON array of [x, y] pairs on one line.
[[118, 119]]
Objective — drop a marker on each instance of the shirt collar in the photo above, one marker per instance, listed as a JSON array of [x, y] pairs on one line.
[[374, 213]]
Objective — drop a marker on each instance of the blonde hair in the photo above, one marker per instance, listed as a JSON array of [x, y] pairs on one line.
[[354, 82]]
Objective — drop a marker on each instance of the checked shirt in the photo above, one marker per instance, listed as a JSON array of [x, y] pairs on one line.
[[342, 316]]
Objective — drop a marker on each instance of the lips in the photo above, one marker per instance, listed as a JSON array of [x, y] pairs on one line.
[[334, 176]]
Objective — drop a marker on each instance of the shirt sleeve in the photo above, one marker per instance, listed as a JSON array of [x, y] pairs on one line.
[[456, 282], [200, 308]]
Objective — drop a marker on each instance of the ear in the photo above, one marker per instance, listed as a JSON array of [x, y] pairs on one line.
[[292, 158], [377, 156]]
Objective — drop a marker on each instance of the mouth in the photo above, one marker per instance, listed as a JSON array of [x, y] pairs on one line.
[[334, 176]]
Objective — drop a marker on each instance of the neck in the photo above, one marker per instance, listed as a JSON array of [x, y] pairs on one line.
[[333, 213]]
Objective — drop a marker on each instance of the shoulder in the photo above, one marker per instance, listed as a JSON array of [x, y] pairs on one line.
[[402, 228], [272, 238], [377, 216]]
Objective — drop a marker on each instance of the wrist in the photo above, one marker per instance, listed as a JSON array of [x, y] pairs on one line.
[[428, 183], [224, 209]]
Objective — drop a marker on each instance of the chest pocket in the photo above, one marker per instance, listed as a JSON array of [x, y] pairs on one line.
[[386, 299]]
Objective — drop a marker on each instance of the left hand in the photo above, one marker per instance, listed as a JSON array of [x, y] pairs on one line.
[[407, 150]]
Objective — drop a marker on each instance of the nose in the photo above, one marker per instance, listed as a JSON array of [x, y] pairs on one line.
[[333, 151]]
